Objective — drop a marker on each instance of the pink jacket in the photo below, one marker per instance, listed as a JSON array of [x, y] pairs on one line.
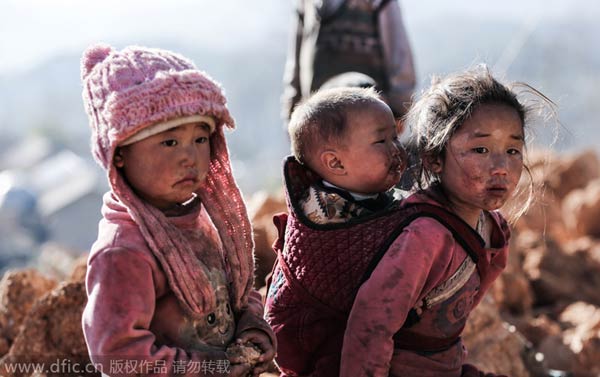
[[133, 322], [420, 259]]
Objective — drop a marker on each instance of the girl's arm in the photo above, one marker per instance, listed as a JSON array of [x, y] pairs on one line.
[[383, 302], [116, 321]]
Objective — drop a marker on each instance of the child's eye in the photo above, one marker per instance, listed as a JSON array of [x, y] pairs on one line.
[[169, 143], [513, 151], [379, 141], [201, 140], [480, 150]]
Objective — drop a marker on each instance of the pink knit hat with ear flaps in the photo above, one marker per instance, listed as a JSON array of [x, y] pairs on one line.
[[127, 91]]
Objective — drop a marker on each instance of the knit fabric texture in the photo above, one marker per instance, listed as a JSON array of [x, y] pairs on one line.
[[329, 260], [127, 91]]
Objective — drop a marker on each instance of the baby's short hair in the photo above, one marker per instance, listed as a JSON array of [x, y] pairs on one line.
[[322, 118]]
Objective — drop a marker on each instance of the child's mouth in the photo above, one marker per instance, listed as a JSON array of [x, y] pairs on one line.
[[497, 190], [397, 167], [187, 180]]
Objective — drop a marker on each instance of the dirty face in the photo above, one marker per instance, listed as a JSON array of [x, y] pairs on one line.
[[483, 160], [167, 168], [218, 326], [372, 157]]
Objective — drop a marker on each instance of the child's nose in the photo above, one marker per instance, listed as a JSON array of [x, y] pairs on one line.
[[188, 157], [499, 164]]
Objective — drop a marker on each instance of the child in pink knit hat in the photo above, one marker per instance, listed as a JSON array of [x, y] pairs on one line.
[[169, 280]]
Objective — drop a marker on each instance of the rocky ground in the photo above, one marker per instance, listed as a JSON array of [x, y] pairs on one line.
[[541, 317]]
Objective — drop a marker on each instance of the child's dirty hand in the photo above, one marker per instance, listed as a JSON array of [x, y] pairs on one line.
[[243, 353], [262, 343]]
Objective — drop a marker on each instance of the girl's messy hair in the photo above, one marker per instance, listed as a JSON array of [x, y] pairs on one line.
[[449, 101]]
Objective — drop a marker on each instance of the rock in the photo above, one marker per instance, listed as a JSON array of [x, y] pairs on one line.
[[261, 208], [556, 273], [494, 347], [263, 205], [498, 347], [79, 269], [552, 178], [544, 212], [556, 354], [589, 356], [245, 353], [4, 346], [572, 172], [583, 336], [56, 260], [535, 330], [513, 293], [19, 289], [580, 209], [264, 256], [535, 252], [52, 333], [544, 216]]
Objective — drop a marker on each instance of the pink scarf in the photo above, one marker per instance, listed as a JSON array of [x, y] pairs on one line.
[[187, 275]]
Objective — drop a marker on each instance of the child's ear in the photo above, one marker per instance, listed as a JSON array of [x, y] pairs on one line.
[[118, 160], [433, 163], [332, 163]]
